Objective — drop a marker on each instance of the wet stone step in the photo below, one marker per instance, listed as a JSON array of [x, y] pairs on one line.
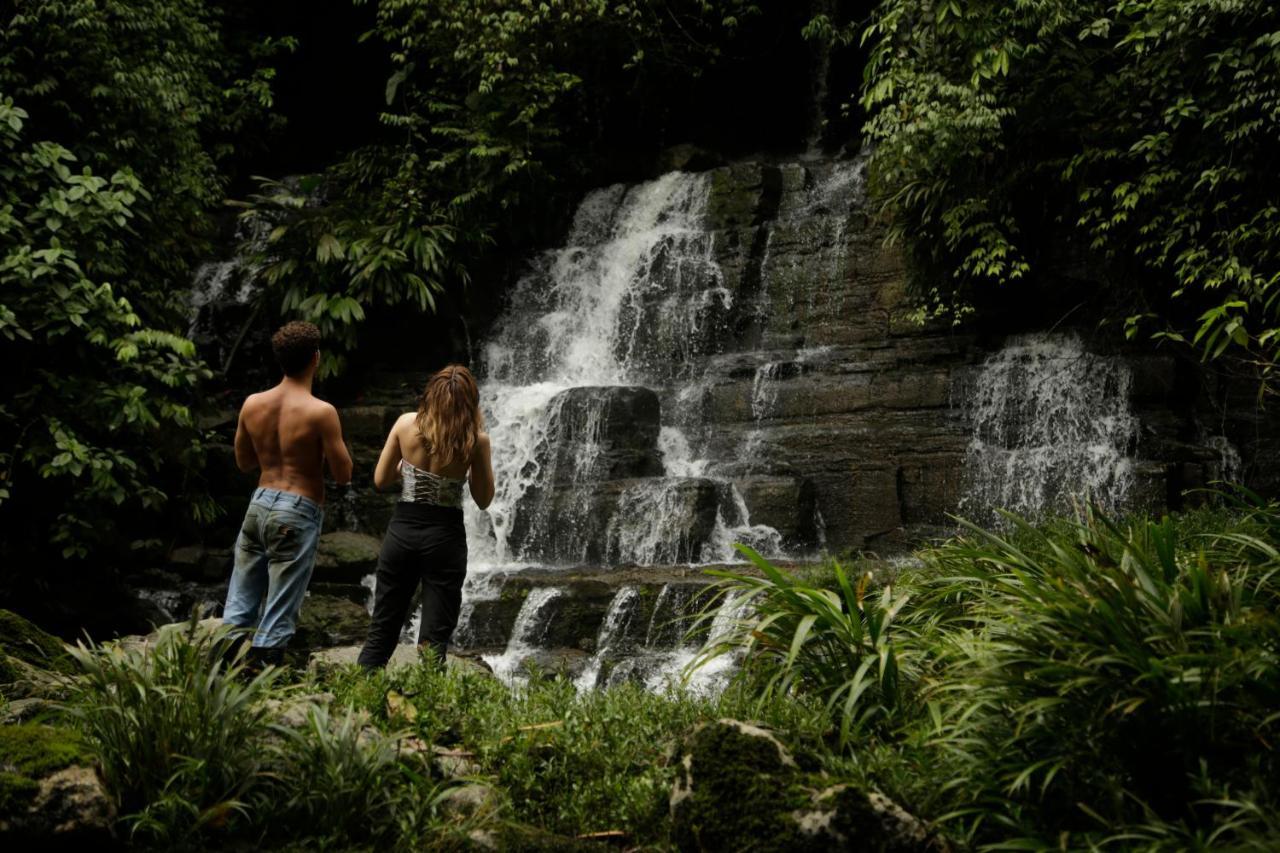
[[573, 607]]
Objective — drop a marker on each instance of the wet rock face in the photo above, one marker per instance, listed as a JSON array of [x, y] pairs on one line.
[[616, 428], [738, 787], [346, 557]]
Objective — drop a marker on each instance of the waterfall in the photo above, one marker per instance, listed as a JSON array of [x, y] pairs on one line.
[[588, 465], [1051, 424]]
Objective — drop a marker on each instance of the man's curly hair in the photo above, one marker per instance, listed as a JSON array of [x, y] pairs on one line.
[[294, 344]]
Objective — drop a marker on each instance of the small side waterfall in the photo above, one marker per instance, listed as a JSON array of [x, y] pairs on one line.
[[529, 629], [1052, 424], [621, 610]]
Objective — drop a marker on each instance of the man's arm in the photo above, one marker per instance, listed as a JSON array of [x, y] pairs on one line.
[[246, 456], [335, 449]]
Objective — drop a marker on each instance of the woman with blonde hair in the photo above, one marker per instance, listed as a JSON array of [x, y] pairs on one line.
[[433, 452]]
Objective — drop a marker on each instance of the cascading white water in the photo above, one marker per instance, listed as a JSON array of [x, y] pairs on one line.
[[595, 387], [621, 610], [529, 629], [631, 300], [1051, 424]]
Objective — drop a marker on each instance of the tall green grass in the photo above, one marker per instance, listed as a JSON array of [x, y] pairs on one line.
[[192, 745], [176, 727], [838, 643], [1085, 682]]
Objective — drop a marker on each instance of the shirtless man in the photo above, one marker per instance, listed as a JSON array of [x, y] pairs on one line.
[[289, 435]]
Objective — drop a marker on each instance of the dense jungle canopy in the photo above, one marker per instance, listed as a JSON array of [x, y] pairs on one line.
[[1106, 155]]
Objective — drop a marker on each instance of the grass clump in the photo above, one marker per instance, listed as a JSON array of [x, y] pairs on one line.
[[177, 727], [198, 750]]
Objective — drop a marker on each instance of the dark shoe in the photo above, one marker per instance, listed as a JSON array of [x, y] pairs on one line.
[[260, 658]]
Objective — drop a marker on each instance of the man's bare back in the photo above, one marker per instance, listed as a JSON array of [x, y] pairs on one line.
[[289, 434]]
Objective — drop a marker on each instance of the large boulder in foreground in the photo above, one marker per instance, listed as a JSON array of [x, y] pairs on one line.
[[738, 787]]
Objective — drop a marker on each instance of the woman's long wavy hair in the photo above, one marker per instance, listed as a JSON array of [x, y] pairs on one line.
[[449, 417]]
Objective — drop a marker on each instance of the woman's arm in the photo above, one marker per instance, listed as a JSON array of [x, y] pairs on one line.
[[388, 470], [482, 472]]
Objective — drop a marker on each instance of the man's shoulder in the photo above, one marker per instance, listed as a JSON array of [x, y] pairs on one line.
[[321, 409], [253, 401]]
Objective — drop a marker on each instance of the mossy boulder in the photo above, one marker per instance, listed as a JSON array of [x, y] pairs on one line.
[[346, 557], [49, 789], [738, 787], [30, 751], [328, 621], [735, 790], [22, 640]]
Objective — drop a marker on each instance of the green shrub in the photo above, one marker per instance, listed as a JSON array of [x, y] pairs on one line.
[[177, 727], [1113, 673], [1085, 683]]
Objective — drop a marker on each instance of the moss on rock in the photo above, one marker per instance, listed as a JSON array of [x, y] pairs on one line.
[[326, 621], [22, 640], [346, 557], [8, 672], [28, 753], [736, 790]]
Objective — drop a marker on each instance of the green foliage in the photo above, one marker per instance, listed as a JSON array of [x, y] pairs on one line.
[[344, 782], [490, 106], [196, 746], [568, 763], [95, 399], [115, 121], [1087, 683], [1157, 654], [1137, 134], [151, 87], [374, 240]]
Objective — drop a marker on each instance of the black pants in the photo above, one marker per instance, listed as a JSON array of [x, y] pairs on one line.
[[424, 545]]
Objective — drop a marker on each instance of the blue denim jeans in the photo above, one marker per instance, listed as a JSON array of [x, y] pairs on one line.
[[275, 555]]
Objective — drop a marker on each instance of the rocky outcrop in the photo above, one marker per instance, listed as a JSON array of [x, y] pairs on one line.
[[738, 787], [21, 642]]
